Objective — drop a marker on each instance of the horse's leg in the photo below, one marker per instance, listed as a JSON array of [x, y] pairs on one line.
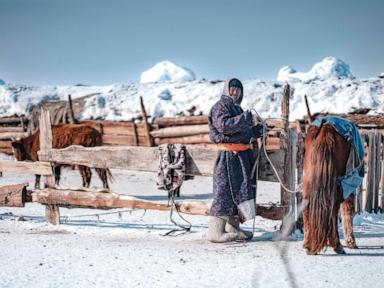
[[86, 175], [306, 244], [334, 238], [37, 181], [102, 173], [347, 211], [57, 174]]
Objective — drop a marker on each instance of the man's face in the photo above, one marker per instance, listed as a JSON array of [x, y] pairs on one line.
[[235, 92]]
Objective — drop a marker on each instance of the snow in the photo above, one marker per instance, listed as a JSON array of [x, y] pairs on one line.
[[329, 67], [329, 86], [130, 251], [166, 71], [122, 102], [94, 248]]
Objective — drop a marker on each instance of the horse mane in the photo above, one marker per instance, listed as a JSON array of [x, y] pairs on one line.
[[324, 196]]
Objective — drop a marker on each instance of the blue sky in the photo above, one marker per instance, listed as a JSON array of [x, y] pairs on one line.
[[100, 42]]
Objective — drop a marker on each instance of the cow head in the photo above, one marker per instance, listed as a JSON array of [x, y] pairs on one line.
[[19, 150]]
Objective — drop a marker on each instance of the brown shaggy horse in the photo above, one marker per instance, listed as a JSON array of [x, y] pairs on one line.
[[325, 158], [63, 135]]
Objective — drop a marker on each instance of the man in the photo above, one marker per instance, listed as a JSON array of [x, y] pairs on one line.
[[233, 190]]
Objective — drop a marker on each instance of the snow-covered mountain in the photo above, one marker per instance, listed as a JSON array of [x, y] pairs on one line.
[[2, 82], [329, 85], [167, 71]]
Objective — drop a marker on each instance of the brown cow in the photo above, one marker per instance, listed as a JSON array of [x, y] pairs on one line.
[[64, 135]]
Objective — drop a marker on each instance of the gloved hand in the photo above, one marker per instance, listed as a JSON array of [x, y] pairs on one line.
[[258, 130]]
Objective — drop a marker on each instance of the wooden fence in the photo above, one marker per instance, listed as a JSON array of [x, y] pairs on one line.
[[129, 146], [200, 161], [371, 196]]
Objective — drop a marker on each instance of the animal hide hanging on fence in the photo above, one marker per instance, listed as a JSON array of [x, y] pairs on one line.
[[172, 167]]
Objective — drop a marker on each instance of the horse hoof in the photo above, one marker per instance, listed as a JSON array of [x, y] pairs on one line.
[[340, 250], [310, 252], [351, 244]]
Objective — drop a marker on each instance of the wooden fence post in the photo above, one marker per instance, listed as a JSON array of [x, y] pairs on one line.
[[52, 212], [285, 198], [368, 197], [382, 171], [377, 168], [289, 145]]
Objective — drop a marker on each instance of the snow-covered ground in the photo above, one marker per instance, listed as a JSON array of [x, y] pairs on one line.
[[95, 249], [122, 248], [329, 85]]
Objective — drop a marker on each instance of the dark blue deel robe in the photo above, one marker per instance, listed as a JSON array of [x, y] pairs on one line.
[[232, 183]]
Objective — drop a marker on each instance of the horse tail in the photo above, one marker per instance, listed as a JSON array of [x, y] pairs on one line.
[[324, 198]]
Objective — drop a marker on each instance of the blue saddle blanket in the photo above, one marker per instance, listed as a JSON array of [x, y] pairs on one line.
[[353, 178]]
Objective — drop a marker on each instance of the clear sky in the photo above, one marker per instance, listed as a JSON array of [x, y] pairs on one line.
[[101, 42]]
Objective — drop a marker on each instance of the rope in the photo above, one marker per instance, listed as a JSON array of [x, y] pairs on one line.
[[256, 171], [97, 215], [183, 229], [264, 140]]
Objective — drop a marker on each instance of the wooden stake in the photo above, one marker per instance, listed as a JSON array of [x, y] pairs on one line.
[[308, 110], [145, 119], [71, 114]]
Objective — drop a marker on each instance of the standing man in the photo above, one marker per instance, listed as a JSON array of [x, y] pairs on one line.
[[233, 131]]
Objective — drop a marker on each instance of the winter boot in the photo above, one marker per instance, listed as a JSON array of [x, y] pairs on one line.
[[233, 226], [216, 230]]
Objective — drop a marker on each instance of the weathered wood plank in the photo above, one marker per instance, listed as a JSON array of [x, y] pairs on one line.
[[179, 131], [52, 213], [40, 168], [12, 120], [193, 139], [11, 129], [200, 161], [13, 195], [101, 200], [10, 135], [5, 144], [7, 151], [178, 121], [109, 139]]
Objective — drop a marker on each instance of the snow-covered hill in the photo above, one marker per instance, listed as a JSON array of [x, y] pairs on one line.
[[328, 68], [167, 71], [329, 85]]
